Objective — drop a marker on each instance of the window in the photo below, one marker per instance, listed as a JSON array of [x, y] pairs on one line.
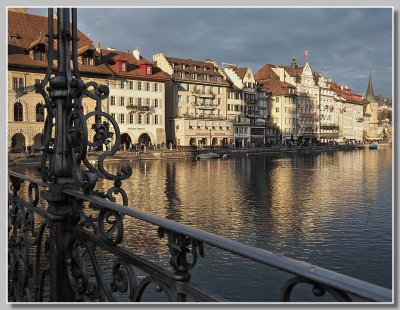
[[277, 110], [181, 75], [219, 101], [38, 81], [38, 55], [39, 112], [179, 98], [112, 100], [206, 77], [123, 66], [113, 115], [122, 84], [131, 100], [148, 102], [148, 119], [131, 117], [148, 86], [156, 103], [122, 118], [18, 112], [139, 118], [130, 84], [139, 85], [194, 76], [139, 102], [277, 99], [155, 86], [86, 61], [219, 91], [148, 69], [18, 84], [122, 101], [194, 67]]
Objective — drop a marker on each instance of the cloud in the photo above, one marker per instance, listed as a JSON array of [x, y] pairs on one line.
[[343, 41]]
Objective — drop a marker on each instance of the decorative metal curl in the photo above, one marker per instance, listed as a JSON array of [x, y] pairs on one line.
[[318, 290], [179, 247], [65, 95], [124, 279]]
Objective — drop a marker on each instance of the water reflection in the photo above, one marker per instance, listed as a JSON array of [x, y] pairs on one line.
[[330, 209]]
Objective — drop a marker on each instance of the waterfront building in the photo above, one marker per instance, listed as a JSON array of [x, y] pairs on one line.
[[351, 112], [137, 97], [281, 118], [307, 100], [328, 114], [27, 63], [196, 108], [243, 106]]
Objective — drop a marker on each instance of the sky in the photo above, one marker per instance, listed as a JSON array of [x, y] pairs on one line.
[[343, 43]]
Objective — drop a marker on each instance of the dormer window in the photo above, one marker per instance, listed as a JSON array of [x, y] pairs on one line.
[[183, 66], [148, 69], [194, 67], [194, 76], [123, 66], [181, 75]]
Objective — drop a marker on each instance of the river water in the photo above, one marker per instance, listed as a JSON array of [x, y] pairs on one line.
[[331, 209]]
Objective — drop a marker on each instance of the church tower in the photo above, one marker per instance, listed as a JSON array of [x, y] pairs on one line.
[[373, 123]]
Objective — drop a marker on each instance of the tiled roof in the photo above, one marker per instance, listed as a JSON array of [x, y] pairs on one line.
[[201, 68], [25, 28], [269, 82], [241, 72], [132, 66], [346, 93], [296, 71]]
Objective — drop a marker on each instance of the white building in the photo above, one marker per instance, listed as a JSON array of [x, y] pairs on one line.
[[137, 97]]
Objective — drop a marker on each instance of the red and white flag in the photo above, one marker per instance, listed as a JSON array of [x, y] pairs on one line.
[[306, 53]]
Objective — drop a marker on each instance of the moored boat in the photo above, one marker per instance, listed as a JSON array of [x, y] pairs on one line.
[[373, 146], [207, 155]]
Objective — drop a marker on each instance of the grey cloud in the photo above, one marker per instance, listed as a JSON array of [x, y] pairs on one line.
[[345, 42]]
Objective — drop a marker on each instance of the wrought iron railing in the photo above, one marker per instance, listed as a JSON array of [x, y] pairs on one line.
[[64, 235]]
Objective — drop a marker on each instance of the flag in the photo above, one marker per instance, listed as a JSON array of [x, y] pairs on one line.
[[306, 53]]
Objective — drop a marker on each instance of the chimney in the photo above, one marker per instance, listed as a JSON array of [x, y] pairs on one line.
[[98, 48], [136, 53], [293, 64]]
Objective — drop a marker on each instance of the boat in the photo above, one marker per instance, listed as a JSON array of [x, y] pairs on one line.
[[373, 146], [207, 155]]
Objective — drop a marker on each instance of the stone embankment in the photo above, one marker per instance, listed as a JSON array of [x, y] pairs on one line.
[[20, 159]]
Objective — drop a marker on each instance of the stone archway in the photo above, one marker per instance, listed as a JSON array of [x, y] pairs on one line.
[[192, 142], [38, 142], [144, 138], [126, 141], [18, 142], [214, 141]]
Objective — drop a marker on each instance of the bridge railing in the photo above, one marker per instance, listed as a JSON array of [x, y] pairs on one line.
[[99, 268]]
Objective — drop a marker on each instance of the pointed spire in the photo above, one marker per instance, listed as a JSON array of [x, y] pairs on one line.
[[370, 91]]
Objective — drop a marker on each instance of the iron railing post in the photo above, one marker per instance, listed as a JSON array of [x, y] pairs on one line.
[[59, 206]]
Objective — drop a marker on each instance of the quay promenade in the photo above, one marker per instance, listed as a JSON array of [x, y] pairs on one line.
[[191, 153]]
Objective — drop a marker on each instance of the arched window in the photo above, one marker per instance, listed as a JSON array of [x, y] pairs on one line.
[[18, 111], [39, 112]]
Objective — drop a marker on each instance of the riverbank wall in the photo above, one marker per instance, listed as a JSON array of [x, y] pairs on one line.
[[20, 159]]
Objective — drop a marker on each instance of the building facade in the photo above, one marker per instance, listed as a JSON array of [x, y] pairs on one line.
[[281, 124], [137, 97], [27, 63], [244, 97], [196, 107]]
